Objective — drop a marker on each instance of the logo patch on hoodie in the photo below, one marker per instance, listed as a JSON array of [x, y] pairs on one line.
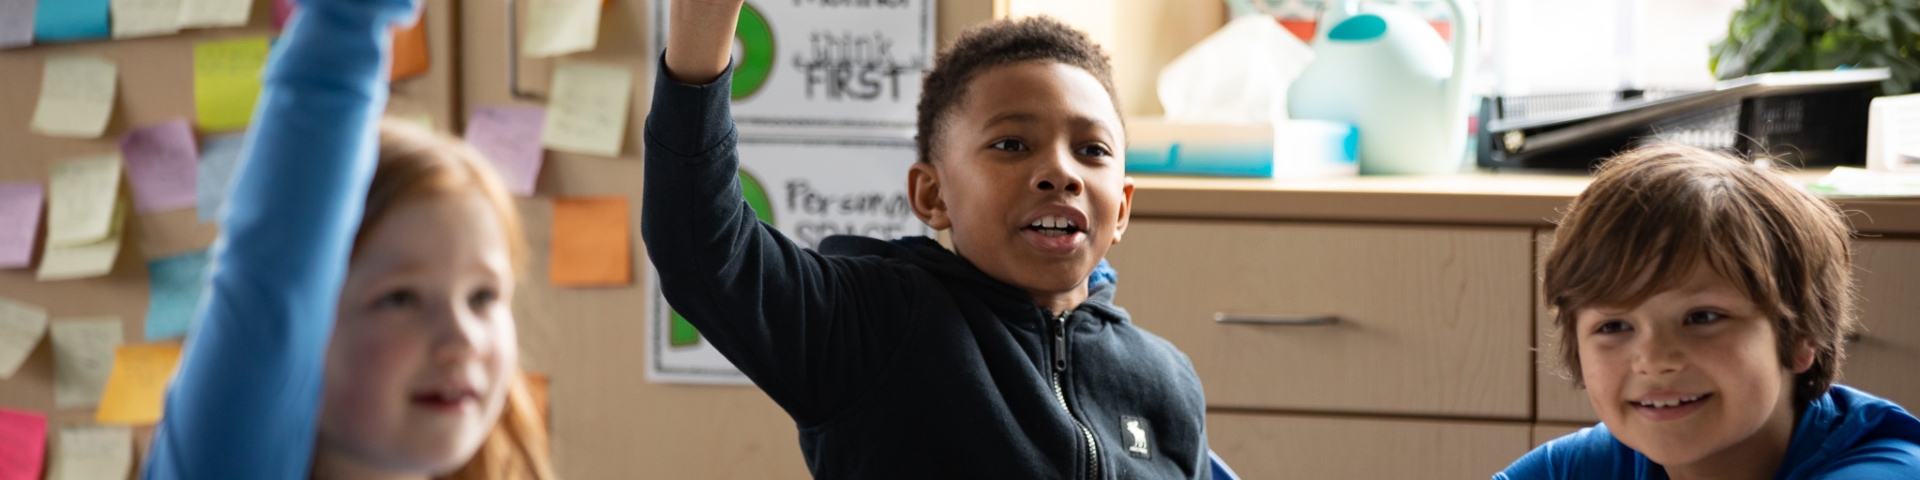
[[1139, 436]]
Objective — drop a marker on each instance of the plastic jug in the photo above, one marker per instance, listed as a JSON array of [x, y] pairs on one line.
[[1386, 71]]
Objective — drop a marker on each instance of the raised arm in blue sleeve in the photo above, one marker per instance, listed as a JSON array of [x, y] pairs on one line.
[[245, 401]]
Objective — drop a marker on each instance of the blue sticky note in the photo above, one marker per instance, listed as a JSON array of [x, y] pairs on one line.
[[178, 283], [70, 20], [218, 157]]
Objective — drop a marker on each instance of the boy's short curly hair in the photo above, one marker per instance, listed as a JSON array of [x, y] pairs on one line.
[[1655, 213], [1001, 42]]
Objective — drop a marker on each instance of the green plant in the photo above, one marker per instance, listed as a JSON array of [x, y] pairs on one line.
[[1788, 35]]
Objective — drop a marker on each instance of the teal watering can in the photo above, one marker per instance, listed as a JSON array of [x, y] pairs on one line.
[[1384, 70]]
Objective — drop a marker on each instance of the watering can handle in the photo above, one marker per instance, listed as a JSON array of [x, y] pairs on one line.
[[1466, 49]]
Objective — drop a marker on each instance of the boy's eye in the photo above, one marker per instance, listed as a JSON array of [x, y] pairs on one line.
[[1611, 326], [482, 299], [1094, 151], [397, 299], [1703, 317], [1010, 145]]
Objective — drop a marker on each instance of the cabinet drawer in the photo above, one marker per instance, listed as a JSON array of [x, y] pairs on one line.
[[1290, 446], [1883, 359], [1429, 320], [1559, 401]]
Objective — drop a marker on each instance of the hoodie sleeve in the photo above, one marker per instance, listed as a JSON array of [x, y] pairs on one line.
[[245, 401], [808, 329]]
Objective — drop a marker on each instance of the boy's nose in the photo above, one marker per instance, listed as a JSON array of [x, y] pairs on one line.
[[1657, 354], [1056, 174]]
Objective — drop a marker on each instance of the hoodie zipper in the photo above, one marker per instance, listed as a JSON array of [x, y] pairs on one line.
[[1060, 367]]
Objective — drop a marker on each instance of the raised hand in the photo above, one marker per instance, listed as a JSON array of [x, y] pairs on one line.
[[699, 38]]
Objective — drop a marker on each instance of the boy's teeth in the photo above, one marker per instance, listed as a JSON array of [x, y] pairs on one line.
[[1051, 222], [1668, 403]]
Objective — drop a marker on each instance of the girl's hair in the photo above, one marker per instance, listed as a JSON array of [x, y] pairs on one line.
[[415, 162], [1001, 42], [1654, 214]]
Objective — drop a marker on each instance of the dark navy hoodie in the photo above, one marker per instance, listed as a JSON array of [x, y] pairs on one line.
[[900, 359]]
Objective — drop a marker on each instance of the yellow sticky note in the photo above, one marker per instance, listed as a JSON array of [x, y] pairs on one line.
[[68, 262], [591, 242], [226, 81], [21, 327], [560, 27], [145, 18], [80, 199], [139, 381], [76, 96], [82, 358], [214, 13], [587, 112], [92, 452]]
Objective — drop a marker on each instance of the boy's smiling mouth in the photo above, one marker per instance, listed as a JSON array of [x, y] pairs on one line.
[[1055, 229], [1668, 407]]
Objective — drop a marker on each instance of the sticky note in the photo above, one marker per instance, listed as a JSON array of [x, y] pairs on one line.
[[219, 156], [145, 18], [214, 13], [560, 27], [81, 199], [226, 81], [70, 20], [135, 389], [162, 164], [92, 452], [25, 436], [510, 137], [409, 57], [16, 23], [591, 245], [87, 260], [178, 283], [21, 327], [282, 10], [20, 207], [82, 358], [587, 112], [76, 95]]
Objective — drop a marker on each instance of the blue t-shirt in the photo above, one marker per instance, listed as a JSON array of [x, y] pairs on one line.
[[1845, 434]]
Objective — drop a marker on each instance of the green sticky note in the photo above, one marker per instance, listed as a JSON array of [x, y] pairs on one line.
[[226, 81]]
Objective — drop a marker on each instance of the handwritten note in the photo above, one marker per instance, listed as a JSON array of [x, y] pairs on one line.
[[219, 156], [20, 207], [226, 81], [21, 327], [510, 137], [135, 389], [560, 27], [178, 283], [81, 261], [24, 434], [145, 18], [591, 243], [214, 13], [81, 200], [161, 164], [588, 109], [82, 358], [92, 452], [16, 23], [70, 20], [76, 95]]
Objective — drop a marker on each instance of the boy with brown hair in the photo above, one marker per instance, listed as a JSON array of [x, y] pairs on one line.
[[998, 359], [1703, 303]]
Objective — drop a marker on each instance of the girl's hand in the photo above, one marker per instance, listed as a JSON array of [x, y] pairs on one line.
[[699, 38]]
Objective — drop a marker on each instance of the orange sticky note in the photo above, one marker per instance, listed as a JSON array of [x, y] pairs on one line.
[[138, 383], [409, 52], [591, 244]]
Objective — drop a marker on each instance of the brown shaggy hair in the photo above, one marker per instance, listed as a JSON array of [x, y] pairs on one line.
[[1655, 213], [997, 43]]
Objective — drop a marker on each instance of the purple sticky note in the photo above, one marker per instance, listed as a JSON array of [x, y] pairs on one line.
[[161, 164], [20, 207], [510, 136], [16, 23]]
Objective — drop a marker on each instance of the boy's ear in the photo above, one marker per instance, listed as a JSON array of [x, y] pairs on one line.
[[1126, 209], [923, 190], [1803, 353]]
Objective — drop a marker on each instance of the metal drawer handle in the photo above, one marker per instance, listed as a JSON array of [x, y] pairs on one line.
[[1288, 320]]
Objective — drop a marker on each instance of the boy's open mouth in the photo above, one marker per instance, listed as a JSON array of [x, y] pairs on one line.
[[1672, 403], [1669, 409], [1053, 226]]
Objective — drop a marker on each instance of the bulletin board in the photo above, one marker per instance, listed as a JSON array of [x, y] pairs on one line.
[[154, 84]]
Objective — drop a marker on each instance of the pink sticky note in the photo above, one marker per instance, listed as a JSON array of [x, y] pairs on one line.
[[20, 207], [23, 444], [162, 165], [510, 136], [282, 9]]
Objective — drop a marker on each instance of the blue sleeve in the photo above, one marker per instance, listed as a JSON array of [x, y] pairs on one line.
[[1591, 453], [245, 400], [1883, 458]]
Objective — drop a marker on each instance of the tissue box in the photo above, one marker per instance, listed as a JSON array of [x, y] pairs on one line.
[[1293, 148]]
